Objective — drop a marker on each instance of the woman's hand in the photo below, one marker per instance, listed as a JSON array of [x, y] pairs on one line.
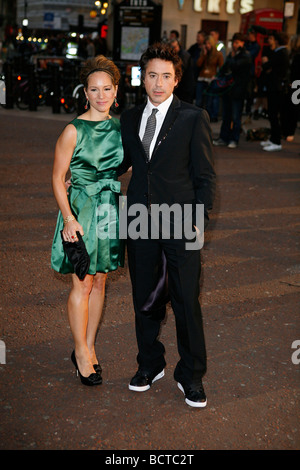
[[70, 229]]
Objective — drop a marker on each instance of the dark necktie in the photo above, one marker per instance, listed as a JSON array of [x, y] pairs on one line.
[[149, 131]]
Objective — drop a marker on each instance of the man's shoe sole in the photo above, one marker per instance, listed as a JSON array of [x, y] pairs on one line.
[[194, 404], [271, 148], [146, 387]]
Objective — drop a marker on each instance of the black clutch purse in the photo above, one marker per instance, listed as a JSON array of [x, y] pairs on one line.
[[77, 255]]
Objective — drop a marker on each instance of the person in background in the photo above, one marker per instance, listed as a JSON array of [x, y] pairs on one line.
[[291, 108], [174, 35], [261, 102], [90, 48], [277, 69], [253, 48], [195, 51], [220, 46], [238, 62], [209, 62], [164, 37], [186, 87]]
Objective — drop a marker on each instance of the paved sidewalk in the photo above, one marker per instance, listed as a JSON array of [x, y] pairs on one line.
[[250, 300]]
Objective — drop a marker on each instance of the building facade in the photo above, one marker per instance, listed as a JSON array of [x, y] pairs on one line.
[[185, 16], [59, 15], [190, 16]]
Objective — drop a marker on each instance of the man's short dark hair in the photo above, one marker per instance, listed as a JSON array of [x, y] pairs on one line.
[[175, 33], [161, 51], [281, 37], [238, 37]]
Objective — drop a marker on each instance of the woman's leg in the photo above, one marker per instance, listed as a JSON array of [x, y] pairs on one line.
[[78, 312], [96, 301]]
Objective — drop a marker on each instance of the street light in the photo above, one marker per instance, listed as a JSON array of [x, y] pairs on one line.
[[101, 6], [25, 19]]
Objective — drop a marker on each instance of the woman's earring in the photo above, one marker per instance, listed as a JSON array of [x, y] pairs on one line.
[[86, 104], [116, 103]]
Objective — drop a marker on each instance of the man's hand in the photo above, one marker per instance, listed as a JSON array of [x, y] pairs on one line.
[[68, 184]]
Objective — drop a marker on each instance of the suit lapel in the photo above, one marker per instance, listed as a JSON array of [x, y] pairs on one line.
[[136, 124], [138, 117]]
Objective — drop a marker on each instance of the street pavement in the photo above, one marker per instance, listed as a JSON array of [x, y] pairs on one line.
[[250, 288]]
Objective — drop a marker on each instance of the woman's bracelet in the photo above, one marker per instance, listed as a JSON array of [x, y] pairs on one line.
[[69, 218]]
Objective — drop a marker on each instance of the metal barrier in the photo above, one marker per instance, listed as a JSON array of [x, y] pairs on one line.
[[52, 80]]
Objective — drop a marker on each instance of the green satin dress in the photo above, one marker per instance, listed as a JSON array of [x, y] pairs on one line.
[[94, 196]]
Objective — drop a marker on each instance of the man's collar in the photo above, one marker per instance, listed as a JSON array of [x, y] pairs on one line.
[[163, 107]]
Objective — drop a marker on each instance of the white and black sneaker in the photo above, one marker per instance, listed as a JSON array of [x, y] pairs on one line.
[[143, 380], [194, 397], [219, 142], [272, 147], [232, 144], [265, 143]]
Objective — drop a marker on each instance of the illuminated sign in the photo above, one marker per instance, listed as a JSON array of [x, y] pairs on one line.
[[213, 6], [230, 6]]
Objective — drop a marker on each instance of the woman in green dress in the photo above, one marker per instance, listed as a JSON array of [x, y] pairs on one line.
[[90, 146]]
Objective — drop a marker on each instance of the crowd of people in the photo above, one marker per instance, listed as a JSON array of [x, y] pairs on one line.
[[257, 92], [264, 92]]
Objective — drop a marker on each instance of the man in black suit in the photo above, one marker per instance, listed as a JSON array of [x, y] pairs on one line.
[[177, 169]]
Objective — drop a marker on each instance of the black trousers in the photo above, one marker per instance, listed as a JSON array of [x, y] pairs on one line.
[[183, 267], [275, 112]]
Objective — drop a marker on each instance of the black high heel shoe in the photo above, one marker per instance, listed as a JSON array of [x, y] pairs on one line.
[[98, 368], [92, 379]]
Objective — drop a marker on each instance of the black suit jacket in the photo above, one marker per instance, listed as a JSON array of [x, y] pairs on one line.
[[181, 167], [240, 66]]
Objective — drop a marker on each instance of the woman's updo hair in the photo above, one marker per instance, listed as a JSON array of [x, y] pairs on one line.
[[99, 64]]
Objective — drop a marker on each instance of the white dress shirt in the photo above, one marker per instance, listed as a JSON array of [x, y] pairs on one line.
[[160, 116]]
